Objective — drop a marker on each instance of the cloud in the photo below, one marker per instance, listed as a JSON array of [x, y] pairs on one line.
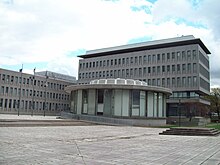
[[47, 31]]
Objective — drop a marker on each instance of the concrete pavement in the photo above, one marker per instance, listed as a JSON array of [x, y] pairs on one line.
[[104, 145]]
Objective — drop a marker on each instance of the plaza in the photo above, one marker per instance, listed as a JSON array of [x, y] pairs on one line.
[[104, 145]]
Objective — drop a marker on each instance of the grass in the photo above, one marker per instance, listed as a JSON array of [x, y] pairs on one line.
[[214, 125]]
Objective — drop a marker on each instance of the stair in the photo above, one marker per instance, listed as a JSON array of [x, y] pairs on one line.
[[190, 131]]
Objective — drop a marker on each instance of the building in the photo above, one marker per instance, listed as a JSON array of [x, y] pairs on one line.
[[181, 64], [38, 94], [124, 101]]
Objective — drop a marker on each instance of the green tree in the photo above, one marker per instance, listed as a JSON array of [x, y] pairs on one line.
[[214, 99]]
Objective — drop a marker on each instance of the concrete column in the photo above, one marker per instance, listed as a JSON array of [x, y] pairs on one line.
[[79, 102], [91, 101]]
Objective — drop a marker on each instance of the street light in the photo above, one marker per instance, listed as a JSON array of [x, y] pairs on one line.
[[179, 110], [45, 98], [33, 78], [19, 104]]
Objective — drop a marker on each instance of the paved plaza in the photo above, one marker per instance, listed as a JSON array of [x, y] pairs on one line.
[[104, 145]]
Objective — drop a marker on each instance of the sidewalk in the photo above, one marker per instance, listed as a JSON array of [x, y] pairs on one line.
[[26, 117]]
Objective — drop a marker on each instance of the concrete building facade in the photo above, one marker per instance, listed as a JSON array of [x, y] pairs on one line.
[[181, 64], [37, 94], [130, 101]]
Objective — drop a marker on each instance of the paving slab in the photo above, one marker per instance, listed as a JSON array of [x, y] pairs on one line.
[[100, 144]]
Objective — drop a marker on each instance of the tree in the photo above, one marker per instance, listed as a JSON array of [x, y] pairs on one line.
[[214, 99]]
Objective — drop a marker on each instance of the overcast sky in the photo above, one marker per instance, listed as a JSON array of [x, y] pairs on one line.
[[49, 34]]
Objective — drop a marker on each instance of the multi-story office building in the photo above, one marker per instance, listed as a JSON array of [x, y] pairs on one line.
[[40, 93], [181, 64]]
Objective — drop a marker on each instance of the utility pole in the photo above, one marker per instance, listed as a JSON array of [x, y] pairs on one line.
[[45, 98], [19, 104]]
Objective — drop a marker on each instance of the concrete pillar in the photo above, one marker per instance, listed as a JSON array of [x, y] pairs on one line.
[[79, 102]]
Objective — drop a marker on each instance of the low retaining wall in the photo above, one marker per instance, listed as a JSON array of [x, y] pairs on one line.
[[117, 121]]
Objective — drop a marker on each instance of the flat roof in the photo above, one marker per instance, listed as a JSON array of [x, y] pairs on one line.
[[164, 43]]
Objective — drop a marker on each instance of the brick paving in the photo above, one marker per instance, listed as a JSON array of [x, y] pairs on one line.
[[104, 145]]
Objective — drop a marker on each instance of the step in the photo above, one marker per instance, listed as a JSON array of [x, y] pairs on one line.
[[191, 131]]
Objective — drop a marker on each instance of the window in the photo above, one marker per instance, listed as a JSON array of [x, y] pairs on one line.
[[154, 69], [11, 91], [178, 56], [183, 81], [149, 82], [173, 68], [140, 60], [149, 58], [173, 82], [178, 82], [100, 96], [189, 55], [194, 54], [131, 72], [127, 72], [163, 69], [115, 61], [178, 68], [131, 60], [163, 57], [145, 58], [2, 89], [173, 55], [158, 82], [183, 55], [127, 61], [158, 69], [136, 60], [189, 67], [123, 61], [163, 82], [149, 70], [168, 56], [194, 81], [154, 58], [168, 82], [3, 77], [12, 79], [144, 70], [189, 81], [7, 79], [194, 68], [184, 68], [140, 71], [119, 61], [135, 97], [6, 90], [1, 103], [158, 57], [168, 68]]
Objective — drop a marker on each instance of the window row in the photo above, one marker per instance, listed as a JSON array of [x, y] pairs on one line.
[[28, 105], [10, 91], [140, 60], [189, 81], [187, 94], [30, 81], [144, 71]]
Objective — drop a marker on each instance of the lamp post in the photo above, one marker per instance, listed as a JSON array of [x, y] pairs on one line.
[[179, 111], [45, 98], [19, 104], [32, 111]]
